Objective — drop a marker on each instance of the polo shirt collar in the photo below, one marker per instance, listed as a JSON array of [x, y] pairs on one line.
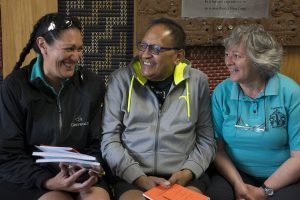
[[272, 88]]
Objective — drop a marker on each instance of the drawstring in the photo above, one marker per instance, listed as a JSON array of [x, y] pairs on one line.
[[186, 98]]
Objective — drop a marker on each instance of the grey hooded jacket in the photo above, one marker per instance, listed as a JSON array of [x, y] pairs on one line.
[[140, 138]]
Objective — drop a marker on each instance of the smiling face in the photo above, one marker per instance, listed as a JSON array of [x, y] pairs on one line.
[[60, 58], [239, 64], [161, 66]]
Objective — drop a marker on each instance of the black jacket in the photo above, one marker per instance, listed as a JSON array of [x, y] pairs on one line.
[[31, 114]]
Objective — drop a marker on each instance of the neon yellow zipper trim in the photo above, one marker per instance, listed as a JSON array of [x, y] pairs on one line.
[[129, 95], [187, 98]]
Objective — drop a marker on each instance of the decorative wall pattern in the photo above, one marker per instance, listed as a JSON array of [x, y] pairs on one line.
[[210, 60], [107, 31], [283, 21]]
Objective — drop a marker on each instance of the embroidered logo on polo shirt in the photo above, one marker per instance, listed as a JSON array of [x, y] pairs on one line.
[[277, 119], [78, 121]]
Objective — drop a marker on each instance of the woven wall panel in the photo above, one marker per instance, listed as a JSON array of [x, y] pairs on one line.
[[107, 32]]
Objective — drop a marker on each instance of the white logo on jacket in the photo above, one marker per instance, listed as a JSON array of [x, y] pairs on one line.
[[78, 121]]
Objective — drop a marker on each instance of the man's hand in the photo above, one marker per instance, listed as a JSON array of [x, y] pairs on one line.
[[148, 182], [181, 177]]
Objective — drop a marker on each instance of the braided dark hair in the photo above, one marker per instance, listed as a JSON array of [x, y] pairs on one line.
[[41, 28]]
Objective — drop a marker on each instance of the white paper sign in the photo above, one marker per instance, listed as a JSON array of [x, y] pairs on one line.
[[225, 8]]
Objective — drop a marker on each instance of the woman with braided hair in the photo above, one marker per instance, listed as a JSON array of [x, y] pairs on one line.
[[51, 101]]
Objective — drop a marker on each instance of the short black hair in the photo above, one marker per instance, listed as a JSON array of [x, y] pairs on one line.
[[177, 32]]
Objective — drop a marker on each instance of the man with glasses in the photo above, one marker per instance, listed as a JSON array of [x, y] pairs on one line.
[[256, 116], [157, 126]]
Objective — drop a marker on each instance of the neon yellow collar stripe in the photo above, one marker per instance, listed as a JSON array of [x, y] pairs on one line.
[[178, 77]]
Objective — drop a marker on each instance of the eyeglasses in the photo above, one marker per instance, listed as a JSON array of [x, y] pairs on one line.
[[240, 124], [59, 23], [153, 48]]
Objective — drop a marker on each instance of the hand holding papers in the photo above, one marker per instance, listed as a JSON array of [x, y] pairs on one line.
[[65, 155]]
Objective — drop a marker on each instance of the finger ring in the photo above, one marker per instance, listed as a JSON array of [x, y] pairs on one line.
[[102, 173]]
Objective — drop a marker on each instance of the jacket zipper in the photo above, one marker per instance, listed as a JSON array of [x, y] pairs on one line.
[[59, 114], [160, 108], [156, 142]]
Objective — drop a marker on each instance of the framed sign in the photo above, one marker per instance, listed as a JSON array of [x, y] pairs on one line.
[[225, 8]]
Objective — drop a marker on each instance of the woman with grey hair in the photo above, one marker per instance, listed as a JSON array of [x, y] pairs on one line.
[[255, 114]]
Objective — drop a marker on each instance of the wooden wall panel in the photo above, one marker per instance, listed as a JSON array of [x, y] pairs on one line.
[[291, 62], [18, 18]]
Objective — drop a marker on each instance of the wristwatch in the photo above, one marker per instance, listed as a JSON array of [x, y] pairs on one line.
[[268, 191]]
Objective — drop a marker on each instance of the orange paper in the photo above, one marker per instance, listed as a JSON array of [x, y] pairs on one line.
[[176, 192]]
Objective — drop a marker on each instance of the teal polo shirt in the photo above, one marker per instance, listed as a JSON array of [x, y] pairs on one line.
[[277, 108]]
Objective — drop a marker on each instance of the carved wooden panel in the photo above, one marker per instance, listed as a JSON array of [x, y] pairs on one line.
[[283, 21]]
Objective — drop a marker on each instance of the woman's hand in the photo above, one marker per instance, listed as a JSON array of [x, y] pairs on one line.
[[66, 180], [256, 193], [240, 190], [93, 171], [248, 192]]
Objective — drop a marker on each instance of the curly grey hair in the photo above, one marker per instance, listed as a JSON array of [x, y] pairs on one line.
[[263, 50]]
